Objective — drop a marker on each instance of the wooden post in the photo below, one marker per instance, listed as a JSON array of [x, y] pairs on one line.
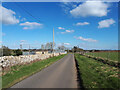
[[29, 49], [21, 48]]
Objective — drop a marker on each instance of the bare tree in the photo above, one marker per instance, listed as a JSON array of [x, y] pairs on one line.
[[49, 46], [62, 47], [42, 46]]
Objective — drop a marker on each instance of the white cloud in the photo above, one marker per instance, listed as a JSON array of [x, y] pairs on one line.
[[86, 39], [90, 8], [31, 25], [7, 16], [82, 23], [66, 43], [106, 23], [68, 31], [61, 28]]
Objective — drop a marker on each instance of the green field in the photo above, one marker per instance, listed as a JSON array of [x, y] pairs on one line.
[[107, 55], [95, 74], [20, 72]]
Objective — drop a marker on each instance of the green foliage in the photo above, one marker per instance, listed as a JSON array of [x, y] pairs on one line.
[[76, 49], [1, 52], [6, 51], [96, 74], [18, 72], [17, 52]]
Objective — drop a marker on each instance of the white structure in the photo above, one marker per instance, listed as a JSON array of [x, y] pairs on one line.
[[8, 61]]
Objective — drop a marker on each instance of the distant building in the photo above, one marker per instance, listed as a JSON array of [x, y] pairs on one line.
[[41, 52], [27, 53]]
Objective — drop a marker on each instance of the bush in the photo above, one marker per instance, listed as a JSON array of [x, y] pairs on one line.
[[17, 52], [6, 51]]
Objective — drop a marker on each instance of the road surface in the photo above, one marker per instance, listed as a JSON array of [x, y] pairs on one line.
[[61, 74]]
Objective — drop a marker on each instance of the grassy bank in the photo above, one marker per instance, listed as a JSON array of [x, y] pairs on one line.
[[18, 73], [96, 74]]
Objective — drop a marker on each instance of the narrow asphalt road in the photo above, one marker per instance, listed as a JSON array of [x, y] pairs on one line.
[[61, 74]]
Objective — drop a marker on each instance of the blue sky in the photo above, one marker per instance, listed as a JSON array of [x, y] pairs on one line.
[[73, 23]]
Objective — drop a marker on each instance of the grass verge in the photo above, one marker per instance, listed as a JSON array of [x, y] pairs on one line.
[[19, 73], [96, 74]]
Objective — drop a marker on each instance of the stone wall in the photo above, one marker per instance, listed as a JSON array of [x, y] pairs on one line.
[[8, 61]]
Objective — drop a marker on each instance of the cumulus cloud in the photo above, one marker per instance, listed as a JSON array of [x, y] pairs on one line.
[[90, 8], [66, 43], [106, 23], [86, 39], [68, 31], [31, 25], [61, 28], [7, 16], [82, 23]]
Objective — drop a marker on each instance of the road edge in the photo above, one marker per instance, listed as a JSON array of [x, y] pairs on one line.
[[79, 79]]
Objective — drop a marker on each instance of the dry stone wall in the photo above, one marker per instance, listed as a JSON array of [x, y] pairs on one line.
[[8, 61]]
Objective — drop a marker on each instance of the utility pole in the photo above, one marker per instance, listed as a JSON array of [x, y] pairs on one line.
[[29, 49], [53, 40], [21, 48]]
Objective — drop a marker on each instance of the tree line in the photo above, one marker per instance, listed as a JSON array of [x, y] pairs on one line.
[[5, 51]]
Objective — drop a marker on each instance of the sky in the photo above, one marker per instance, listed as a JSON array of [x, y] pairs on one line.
[[89, 24]]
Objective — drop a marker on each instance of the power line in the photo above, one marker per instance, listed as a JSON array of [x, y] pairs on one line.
[[36, 18], [27, 12]]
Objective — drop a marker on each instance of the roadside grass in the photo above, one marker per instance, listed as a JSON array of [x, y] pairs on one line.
[[19, 73], [107, 55], [95, 74]]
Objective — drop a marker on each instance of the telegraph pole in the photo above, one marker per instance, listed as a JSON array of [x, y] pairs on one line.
[[29, 49], [21, 48], [53, 40]]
